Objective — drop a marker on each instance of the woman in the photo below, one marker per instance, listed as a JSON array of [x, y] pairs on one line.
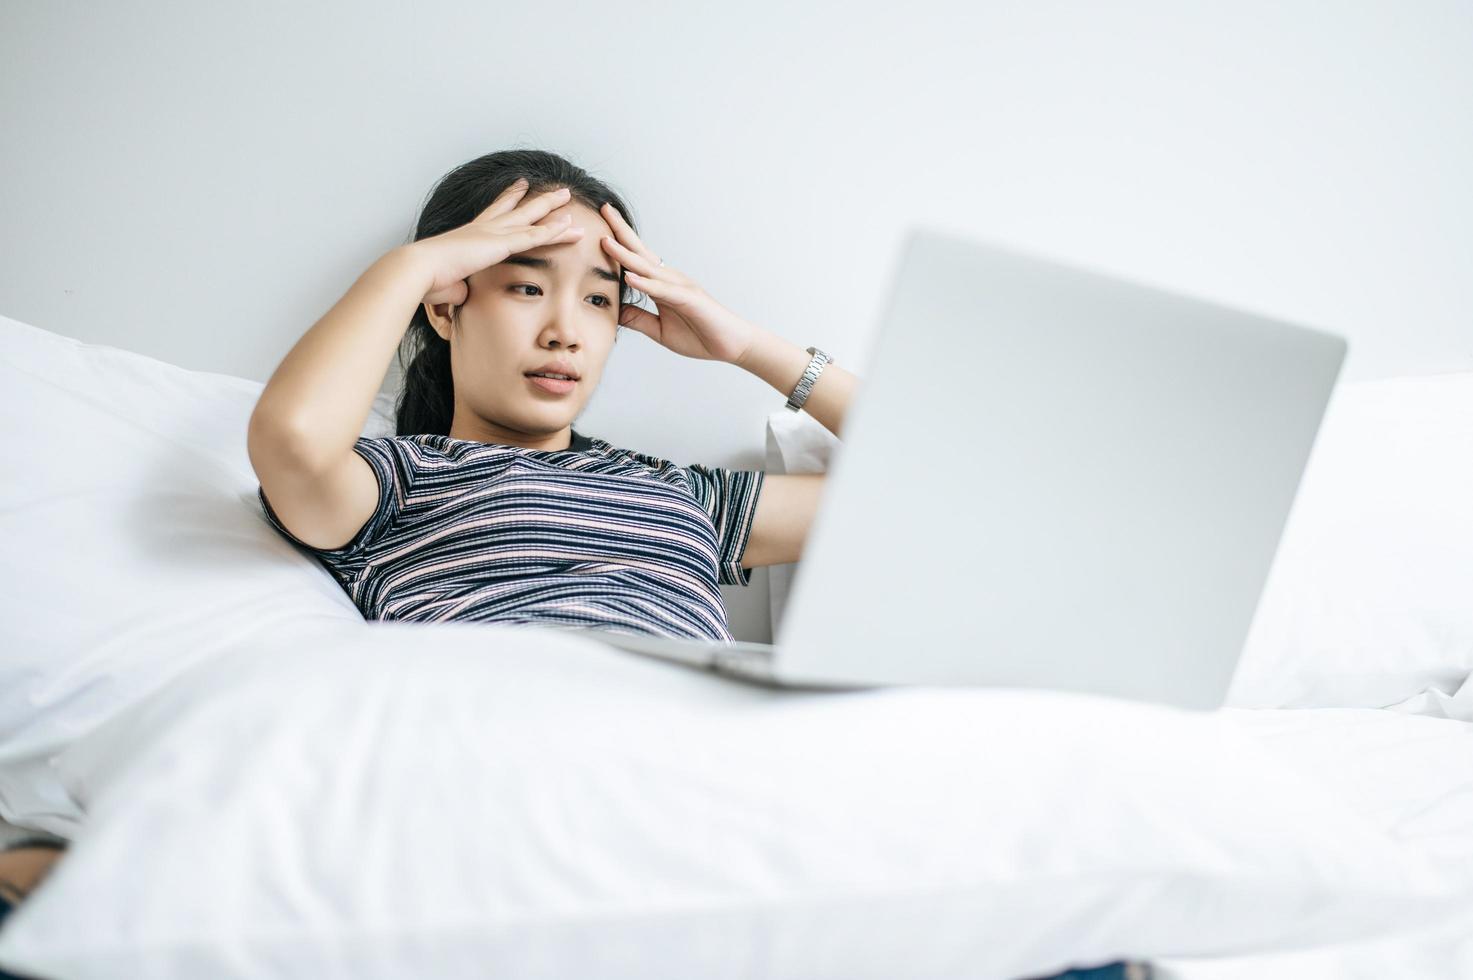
[[487, 505]]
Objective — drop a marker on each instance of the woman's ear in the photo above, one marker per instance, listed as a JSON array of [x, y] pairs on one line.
[[441, 317]]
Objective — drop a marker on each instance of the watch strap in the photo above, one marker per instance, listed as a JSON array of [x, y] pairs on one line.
[[815, 367]]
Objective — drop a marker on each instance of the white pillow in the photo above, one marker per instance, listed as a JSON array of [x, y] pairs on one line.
[[1369, 600], [128, 509], [396, 800]]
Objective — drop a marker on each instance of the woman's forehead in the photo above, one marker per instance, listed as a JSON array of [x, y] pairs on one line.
[[562, 260]]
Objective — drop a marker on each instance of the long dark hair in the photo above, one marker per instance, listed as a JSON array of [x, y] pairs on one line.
[[426, 403]]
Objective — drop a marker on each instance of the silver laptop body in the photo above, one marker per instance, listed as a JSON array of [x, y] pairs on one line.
[[1050, 478]]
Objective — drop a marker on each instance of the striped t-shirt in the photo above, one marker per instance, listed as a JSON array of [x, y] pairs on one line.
[[585, 537]]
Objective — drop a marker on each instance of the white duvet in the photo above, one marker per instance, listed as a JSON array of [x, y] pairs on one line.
[[463, 800], [1413, 776]]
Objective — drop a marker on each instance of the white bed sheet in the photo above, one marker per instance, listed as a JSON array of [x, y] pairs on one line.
[[1413, 775], [593, 729]]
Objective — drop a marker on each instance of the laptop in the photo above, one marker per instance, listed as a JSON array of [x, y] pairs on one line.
[[1050, 478]]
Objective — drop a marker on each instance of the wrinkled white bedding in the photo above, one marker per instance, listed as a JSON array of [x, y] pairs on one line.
[[390, 800], [1412, 775]]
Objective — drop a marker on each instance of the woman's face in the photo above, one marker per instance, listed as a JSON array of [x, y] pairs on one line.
[[551, 303]]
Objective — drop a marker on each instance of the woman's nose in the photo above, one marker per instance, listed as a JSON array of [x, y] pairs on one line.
[[564, 328]]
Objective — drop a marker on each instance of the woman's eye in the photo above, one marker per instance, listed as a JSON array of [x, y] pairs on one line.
[[527, 285]]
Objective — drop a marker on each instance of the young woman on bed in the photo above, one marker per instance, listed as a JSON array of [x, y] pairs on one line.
[[487, 505], [521, 263]]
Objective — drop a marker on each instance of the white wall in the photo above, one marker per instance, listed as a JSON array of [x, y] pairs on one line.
[[200, 182]]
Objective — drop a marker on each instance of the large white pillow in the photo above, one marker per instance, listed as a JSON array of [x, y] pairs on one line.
[[447, 800], [136, 545], [1369, 600]]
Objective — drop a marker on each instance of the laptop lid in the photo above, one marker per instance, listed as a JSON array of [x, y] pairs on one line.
[[1054, 478]]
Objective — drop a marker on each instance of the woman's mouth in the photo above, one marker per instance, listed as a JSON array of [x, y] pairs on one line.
[[553, 386]]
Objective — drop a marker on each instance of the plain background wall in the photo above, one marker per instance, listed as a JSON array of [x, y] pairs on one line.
[[200, 182]]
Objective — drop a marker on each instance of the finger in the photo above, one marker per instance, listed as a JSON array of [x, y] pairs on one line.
[[669, 292], [639, 319], [505, 201], [536, 208], [624, 233], [559, 229], [564, 222], [631, 260], [454, 294], [514, 190]]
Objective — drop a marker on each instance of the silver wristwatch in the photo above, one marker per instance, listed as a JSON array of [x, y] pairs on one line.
[[810, 375]]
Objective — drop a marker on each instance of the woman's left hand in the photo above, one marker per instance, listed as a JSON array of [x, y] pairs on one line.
[[689, 321]]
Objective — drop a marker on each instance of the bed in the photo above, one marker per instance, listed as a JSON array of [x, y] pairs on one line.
[[255, 782]]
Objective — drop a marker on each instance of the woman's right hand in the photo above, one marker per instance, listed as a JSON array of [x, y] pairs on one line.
[[506, 226]]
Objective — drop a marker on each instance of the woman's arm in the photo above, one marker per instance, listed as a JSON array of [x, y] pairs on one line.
[[780, 363], [318, 400], [789, 501]]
